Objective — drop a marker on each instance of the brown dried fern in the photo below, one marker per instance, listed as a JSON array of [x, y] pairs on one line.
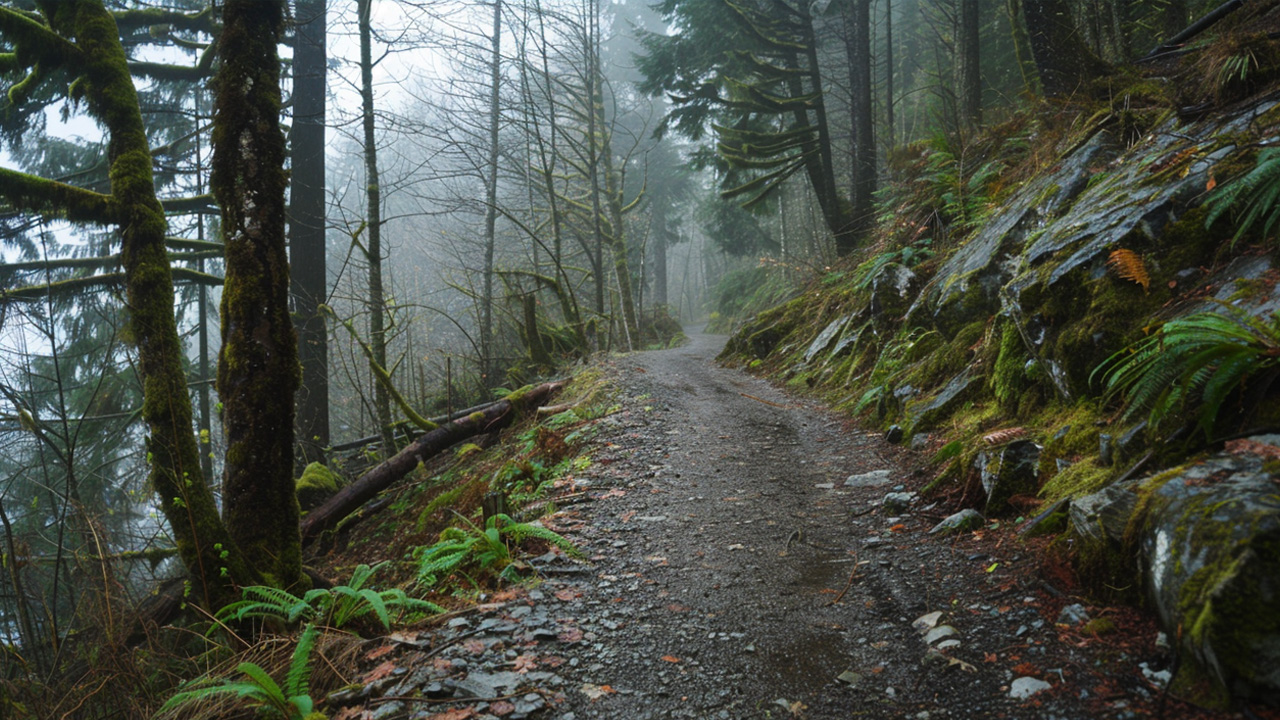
[[1129, 266], [1000, 437]]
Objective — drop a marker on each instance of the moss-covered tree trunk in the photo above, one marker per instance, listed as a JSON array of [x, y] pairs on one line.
[[258, 367], [81, 37]]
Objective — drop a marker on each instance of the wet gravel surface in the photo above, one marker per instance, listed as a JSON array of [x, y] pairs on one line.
[[743, 565]]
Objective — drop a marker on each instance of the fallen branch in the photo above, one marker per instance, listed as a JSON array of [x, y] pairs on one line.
[[766, 402], [364, 489], [847, 585]]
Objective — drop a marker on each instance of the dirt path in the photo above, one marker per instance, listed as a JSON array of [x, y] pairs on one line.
[[724, 530]]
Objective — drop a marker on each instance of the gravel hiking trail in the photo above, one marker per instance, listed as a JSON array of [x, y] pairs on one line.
[[744, 566]]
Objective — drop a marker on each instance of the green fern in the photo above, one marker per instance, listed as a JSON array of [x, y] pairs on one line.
[[338, 606], [1193, 363], [293, 702], [484, 549], [1253, 198]]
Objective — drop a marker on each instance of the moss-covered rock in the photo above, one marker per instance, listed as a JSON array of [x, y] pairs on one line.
[[317, 484], [1210, 534]]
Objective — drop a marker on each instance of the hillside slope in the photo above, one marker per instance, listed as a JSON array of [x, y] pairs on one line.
[[1104, 324]]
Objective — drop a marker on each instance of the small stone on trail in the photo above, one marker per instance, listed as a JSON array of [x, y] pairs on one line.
[[925, 622], [850, 677], [1025, 687], [893, 434], [868, 479], [967, 519], [1073, 615], [939, 633], [896, 502]]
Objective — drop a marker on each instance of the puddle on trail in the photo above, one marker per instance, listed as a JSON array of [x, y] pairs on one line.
[[810, 648]]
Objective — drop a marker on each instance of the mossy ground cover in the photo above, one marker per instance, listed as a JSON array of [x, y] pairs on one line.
[[530, 463]]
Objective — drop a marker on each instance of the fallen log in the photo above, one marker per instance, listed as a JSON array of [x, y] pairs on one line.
[[351, 497]]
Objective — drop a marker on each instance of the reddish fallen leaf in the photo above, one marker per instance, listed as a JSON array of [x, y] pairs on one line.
[[1025, 668], [900, 527], [475, 647], [1213, 183], [1247, 446], [525, 663], [508, 595], [567, 594], [626, 516], [378, 652], [616, 492], [570, 635], [989, 657], [552, 661], [677, 607], [501, 708], [380, 672], [670, 658], [442, 664]]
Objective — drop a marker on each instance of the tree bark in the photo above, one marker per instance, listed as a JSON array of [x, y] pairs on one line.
[[862, 119], [307, 229], [351, 497], [1062, 59], [491, 198], [373, 224], [258, 365], [970, 77]]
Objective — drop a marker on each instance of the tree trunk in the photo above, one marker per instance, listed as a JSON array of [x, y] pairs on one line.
[[1062, 59], [351, 497], [373, 223], [862, 118], [258, 366], [659, 234], [1022, 47], [307, 229], [888, 75], [491, 198], [970, 77]]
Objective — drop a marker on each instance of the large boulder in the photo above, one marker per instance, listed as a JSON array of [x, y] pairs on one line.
[[1210, 535]]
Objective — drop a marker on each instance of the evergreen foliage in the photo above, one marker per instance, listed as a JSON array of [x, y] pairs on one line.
[[1194, 365], [486, 550], [258, 689], [1252, 199], [337, 606]]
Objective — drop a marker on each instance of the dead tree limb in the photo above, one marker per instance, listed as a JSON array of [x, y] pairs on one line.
[[351, 497]]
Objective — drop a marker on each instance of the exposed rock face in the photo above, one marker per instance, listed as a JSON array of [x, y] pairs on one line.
[[1007, 471], [1210, 533]]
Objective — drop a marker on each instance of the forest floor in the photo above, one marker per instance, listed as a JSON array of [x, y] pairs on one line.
[[743, 565]]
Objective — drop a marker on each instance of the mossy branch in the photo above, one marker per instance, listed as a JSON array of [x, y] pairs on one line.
[[94, 283], [36, 42], [202, 70], [379, 372], [130, 20], [194, 204], [8, 270], [37, 194]]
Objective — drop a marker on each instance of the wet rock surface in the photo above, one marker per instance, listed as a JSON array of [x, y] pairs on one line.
[[744, 565]]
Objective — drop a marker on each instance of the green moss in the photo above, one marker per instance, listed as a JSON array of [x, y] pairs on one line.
[[1076, 480], [1008, 379], [1098, 627]]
